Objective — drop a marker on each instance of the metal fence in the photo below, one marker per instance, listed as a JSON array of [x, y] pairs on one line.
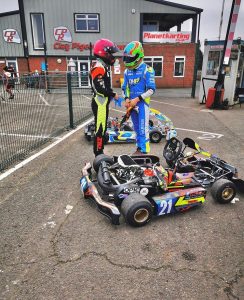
[[43, 107]]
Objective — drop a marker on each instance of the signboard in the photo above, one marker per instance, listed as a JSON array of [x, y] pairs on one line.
[[62, 34], [166, 37], [11, 36], [75, 45]]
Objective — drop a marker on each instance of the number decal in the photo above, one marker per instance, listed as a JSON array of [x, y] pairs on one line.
[[165, 207]]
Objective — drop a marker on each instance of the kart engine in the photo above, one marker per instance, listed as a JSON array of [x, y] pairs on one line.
[[144, 175]]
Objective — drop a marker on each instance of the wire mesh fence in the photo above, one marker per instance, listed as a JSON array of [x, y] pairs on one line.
[[39, 112]]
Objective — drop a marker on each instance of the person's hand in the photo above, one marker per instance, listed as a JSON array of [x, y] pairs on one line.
[[134, 102], [127, 103], [116, 97]]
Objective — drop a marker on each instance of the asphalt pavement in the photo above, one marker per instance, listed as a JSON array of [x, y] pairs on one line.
[[55, 245]]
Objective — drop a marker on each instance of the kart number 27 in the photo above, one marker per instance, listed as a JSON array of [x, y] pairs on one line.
[[165, 207]]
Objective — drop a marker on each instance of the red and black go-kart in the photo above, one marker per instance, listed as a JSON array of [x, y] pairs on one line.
[[139, 188], [209, 170]]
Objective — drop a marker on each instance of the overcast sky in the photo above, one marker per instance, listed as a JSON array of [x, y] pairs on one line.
[[210, 18]]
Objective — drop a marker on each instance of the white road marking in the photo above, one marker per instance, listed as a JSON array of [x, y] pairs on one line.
[[40, 104], [43, 99], [50, 224], [29, 136], [176, 105], [26, 161], [217, 135], [68, 209]]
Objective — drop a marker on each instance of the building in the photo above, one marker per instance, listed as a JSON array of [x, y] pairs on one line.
[[234, 72], [59, 34]]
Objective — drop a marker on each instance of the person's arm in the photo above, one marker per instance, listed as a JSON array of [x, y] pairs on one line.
[[150, 84], [97, 75], [126, 90]]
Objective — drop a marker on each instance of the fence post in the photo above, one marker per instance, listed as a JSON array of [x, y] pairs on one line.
[[71, 115]]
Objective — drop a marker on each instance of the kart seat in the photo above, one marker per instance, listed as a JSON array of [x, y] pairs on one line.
[[125, 160]]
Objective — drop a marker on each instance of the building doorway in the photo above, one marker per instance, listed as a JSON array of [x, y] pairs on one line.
[[83, 71]]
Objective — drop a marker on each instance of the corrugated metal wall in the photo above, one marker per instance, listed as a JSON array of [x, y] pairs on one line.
[[10, 49], [116, 20]]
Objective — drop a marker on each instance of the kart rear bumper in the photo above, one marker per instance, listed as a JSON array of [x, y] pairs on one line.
[[90, 191]]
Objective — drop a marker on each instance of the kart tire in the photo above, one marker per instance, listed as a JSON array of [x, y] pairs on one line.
[[137, 210], [101, 157], [223, 190], [155, 136]]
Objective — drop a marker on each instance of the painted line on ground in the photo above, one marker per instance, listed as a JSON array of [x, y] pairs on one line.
[[26, 161], [184, 129], [43, 99], [40, 104], [28, 136], [175, 105], [199, 131]]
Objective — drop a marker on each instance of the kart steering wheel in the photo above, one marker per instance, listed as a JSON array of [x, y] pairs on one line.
[[172, 150]]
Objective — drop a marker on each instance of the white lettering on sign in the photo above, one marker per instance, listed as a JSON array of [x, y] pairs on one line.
[[11, 36], [167, 37]]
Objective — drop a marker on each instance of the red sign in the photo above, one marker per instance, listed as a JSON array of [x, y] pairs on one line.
[[166, 37], [75, 45]]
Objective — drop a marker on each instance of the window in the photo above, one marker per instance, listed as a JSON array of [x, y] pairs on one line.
[[150, 26], [156, 63], [87, 23], [37, 31], [213, 62], [179, 66]]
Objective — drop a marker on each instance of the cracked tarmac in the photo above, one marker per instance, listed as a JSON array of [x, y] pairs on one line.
[[47, 253]]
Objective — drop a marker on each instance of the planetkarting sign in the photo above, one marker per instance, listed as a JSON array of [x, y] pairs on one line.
[[166, 37], [11, 36]]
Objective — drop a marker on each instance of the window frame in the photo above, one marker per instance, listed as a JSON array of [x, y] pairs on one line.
[[162, 61], [180, 56], [87, 31], [32, 30]]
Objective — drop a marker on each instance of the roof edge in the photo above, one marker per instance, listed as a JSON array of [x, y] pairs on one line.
[[9, 13], [196, 9]]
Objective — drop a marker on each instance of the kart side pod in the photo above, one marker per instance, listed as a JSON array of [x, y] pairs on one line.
[[179, 201]]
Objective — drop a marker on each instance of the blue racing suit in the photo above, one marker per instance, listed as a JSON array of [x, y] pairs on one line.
[[140, 83]]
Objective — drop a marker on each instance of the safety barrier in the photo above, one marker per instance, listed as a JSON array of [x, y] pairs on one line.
[[43, 107]]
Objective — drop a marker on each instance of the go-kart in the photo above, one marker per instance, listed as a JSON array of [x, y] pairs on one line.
[[161, 127], [209, 170], [139, 188]]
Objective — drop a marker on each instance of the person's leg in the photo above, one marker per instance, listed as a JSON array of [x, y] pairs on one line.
[[100, 111], [134, 118], [143, 132]]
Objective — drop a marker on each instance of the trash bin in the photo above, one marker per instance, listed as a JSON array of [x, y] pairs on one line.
[[211, 96]]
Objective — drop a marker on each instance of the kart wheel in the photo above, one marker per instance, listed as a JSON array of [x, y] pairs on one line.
[[223, 190], [151, 123], [137, 210], [102, 157], [155, 136]]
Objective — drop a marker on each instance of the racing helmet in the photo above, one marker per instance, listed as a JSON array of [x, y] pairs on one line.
[[104, 49], [133, 55]]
